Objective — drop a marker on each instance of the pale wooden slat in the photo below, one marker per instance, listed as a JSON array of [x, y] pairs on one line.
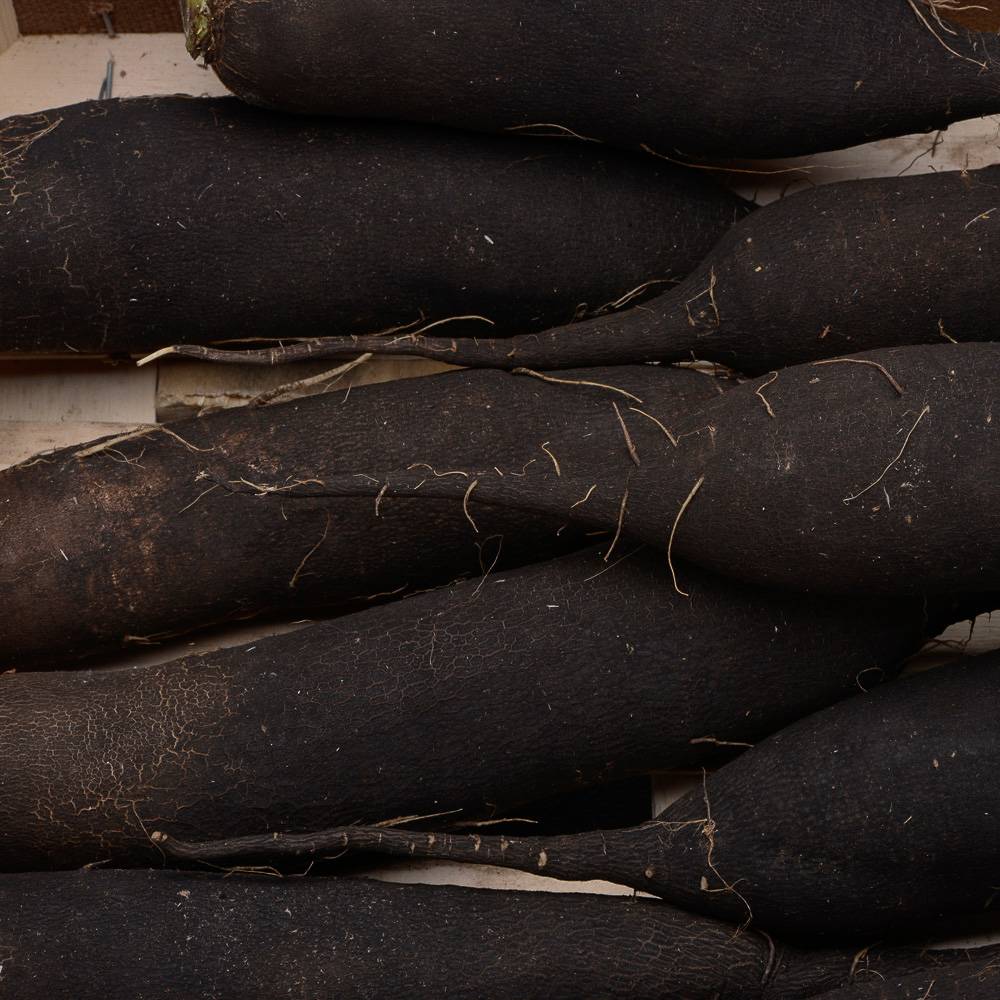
[[963, 639], [967, 145], [669, 786], [486, 877], [40, 71], [50, 392], [21, 440]]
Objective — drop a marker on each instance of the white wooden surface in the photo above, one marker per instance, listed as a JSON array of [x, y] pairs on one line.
[[50, 404], [47, 71], [77, 391]]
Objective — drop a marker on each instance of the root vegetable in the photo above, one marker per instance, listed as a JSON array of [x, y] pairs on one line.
[[81, 934], [135, 539], [879, 813], [463, 703], [779, 78], [976, 979], [843, 268], [131, 224], [877, 473]]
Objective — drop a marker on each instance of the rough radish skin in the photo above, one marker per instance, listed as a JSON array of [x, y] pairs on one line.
[[876, 815], [238, 938], [977, 979], [779, 78], [850, 486], [130, 540], [471, 701], [130, 225], [877, 473], [899, 261]]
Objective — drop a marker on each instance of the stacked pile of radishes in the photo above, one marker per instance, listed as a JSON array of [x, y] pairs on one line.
[[658, 567]]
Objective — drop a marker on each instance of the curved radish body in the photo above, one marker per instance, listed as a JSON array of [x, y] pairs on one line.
[[976, 979], [137, 538], [883, 809], [823, 478], [874, 473], [838, 269]]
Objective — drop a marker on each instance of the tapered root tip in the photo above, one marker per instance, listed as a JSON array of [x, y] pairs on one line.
[[156, 355], [197, 16], [170, 846]]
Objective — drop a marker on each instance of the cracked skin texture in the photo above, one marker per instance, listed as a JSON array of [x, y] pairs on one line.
[[110, 751], [130, 225], [478, 698], [127, 542], [768, 79], [72, 936]]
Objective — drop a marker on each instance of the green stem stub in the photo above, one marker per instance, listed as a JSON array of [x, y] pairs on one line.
[[198, 28]]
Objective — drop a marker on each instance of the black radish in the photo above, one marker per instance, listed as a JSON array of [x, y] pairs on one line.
[[978, 978], [139, 537], [130, 225], [462, 704], [875, 815], [873, 473], [103, 935], [843, 268], [774, 78]]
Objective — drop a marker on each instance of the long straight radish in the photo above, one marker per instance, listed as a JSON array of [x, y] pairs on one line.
[[102, 935], [463, 703], [130, 225], [776, 78]]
